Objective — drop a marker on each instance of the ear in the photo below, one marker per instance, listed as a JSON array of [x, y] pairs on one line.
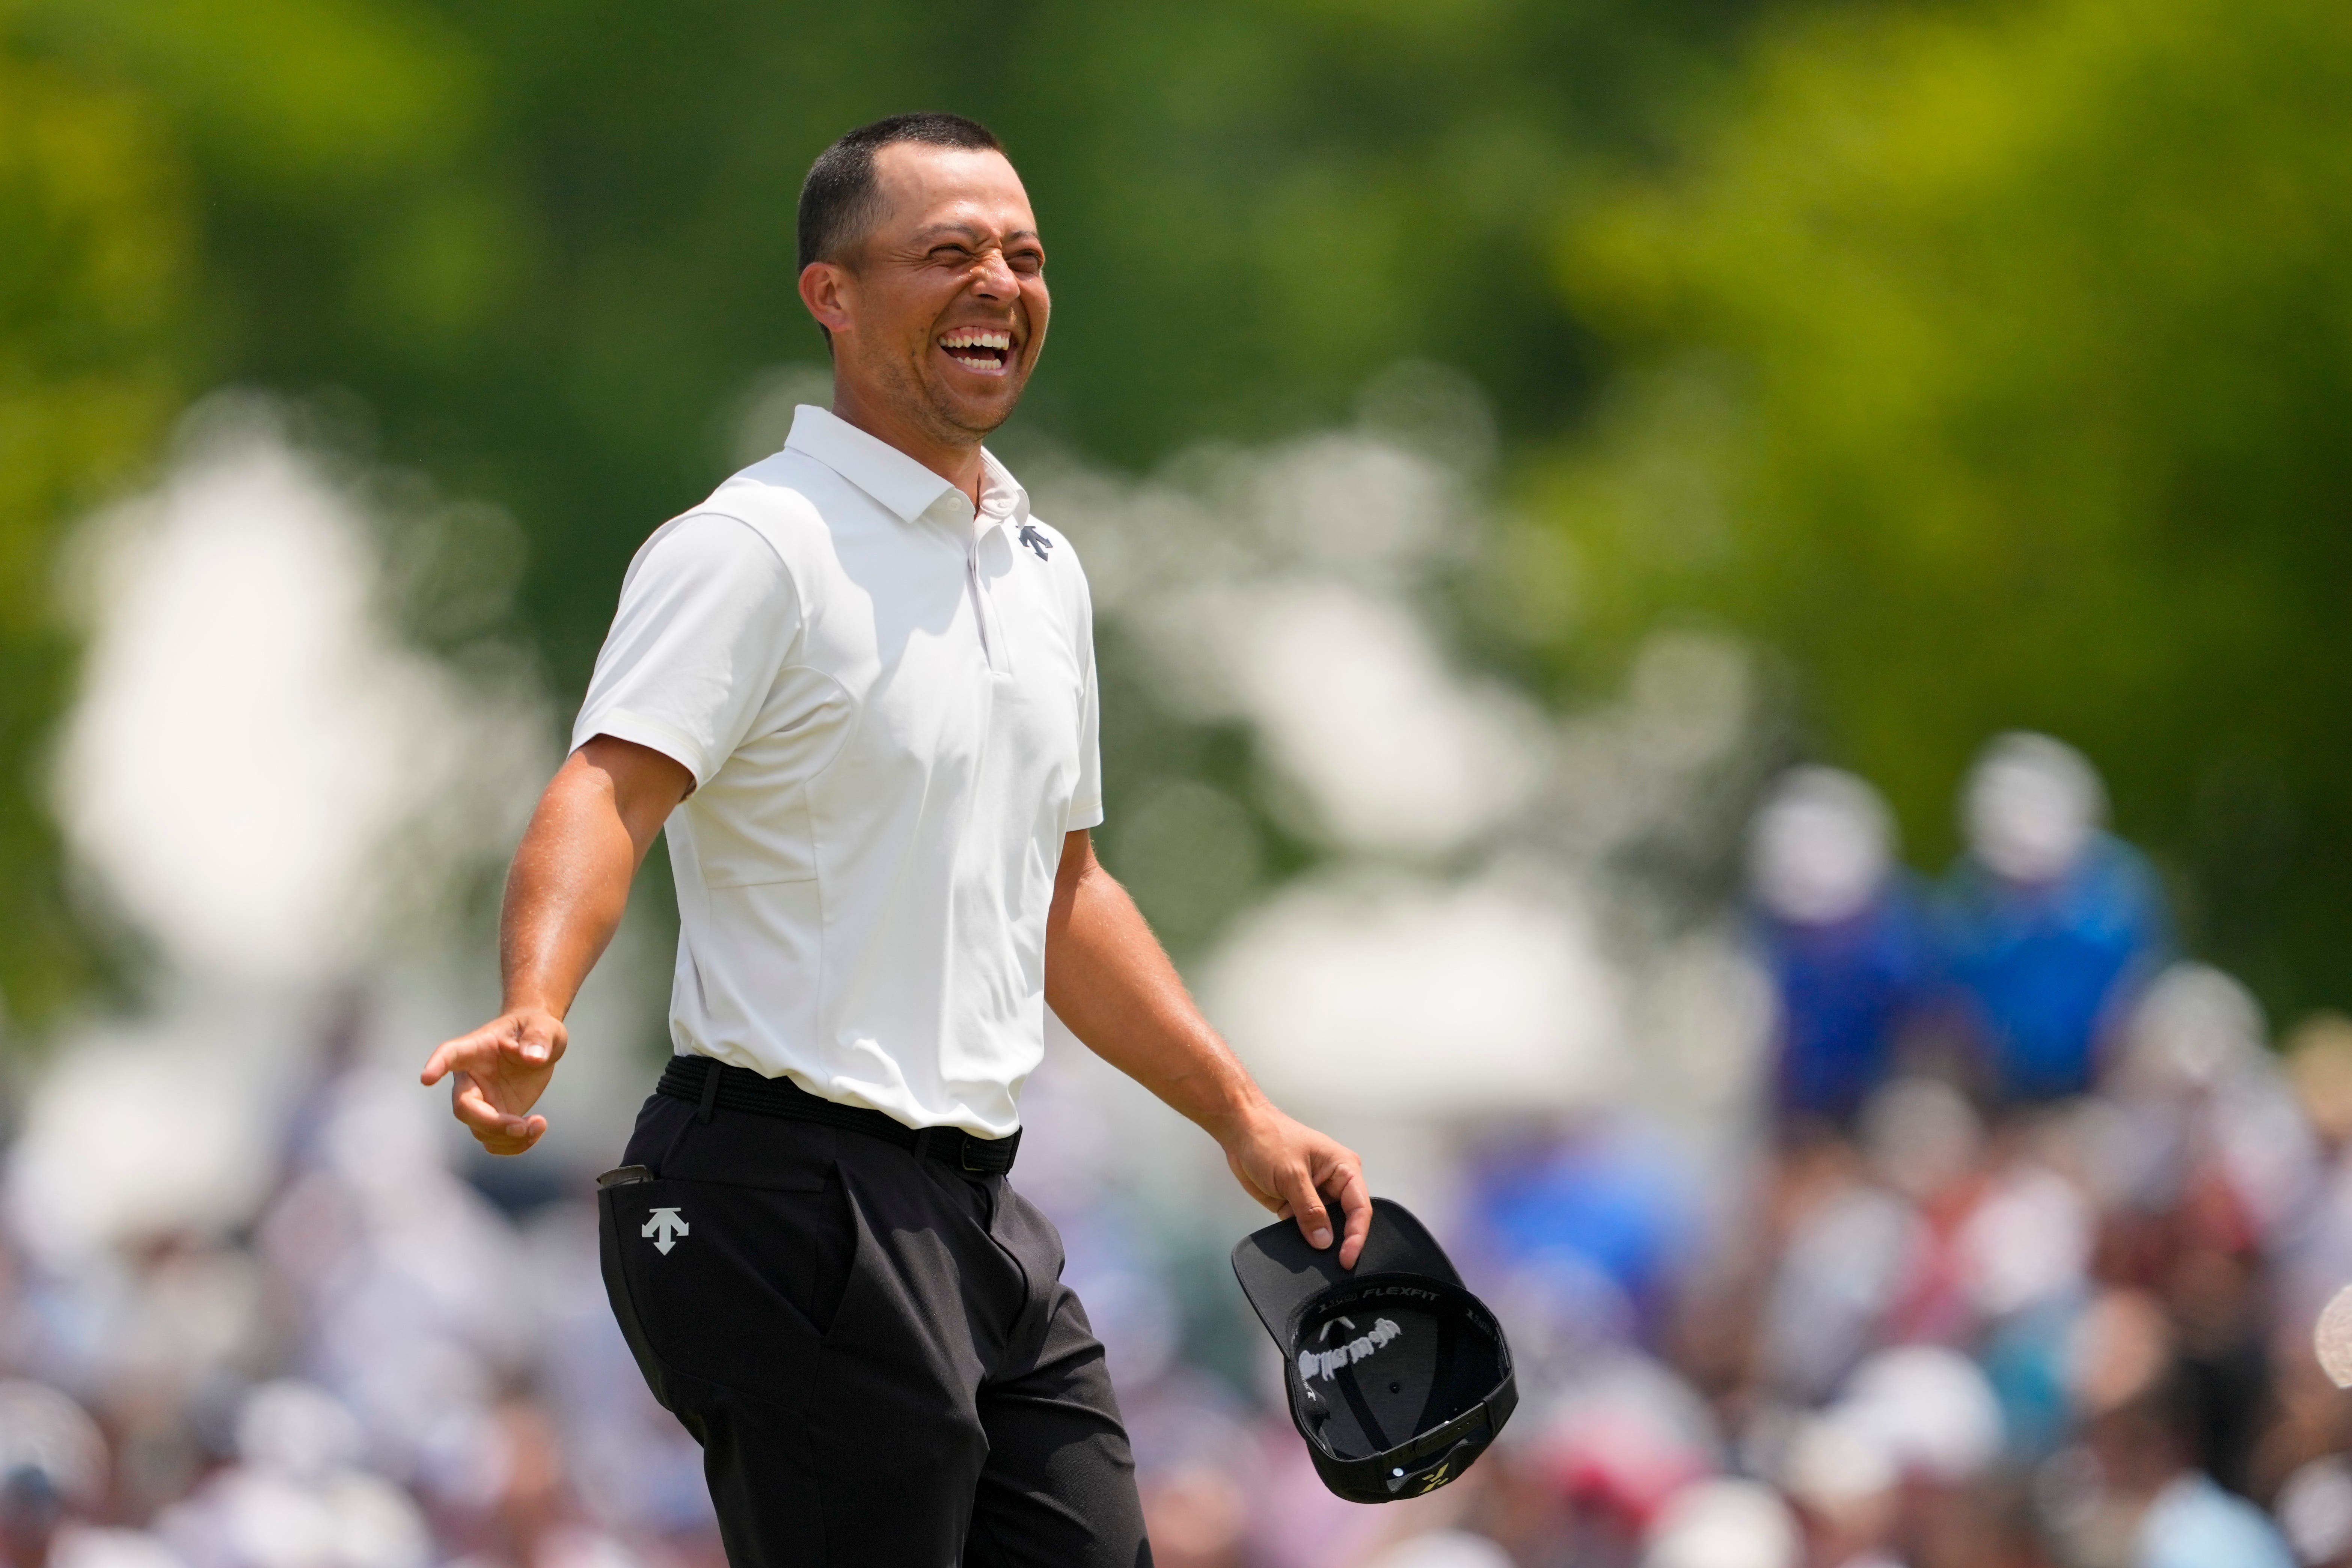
[[829, 292]]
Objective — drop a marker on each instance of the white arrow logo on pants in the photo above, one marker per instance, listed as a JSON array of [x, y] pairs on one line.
[[665, 1227]]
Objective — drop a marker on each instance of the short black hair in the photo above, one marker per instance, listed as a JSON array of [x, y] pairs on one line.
[[839, 198]]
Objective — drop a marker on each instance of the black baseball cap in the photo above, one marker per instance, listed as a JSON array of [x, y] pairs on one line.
[[1397, 1377]]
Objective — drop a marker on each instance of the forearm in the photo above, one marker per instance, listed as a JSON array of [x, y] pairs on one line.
[[565, 894], [1109, 981], [569, 885], [1109, 978]]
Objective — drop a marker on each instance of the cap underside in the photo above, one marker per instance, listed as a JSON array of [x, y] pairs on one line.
[[1376, 1367]]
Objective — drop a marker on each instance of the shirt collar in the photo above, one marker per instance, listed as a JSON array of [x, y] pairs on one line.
[[903, 486], [1001, 496]]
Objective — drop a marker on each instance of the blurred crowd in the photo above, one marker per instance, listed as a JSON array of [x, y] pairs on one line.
[[384, 1369], [2021, 1268]]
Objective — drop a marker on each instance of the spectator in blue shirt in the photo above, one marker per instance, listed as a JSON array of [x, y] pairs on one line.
[[1841, 932], [2049, 923]]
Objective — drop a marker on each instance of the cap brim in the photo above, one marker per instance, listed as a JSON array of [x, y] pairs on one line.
[[1280, 1273]]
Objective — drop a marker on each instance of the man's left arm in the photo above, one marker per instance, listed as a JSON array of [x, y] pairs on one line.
[[1109, 980]]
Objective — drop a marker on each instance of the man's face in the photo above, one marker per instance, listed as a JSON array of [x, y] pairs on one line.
[[945, 296]]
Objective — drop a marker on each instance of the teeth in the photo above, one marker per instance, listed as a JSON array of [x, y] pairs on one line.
[[976, 340]]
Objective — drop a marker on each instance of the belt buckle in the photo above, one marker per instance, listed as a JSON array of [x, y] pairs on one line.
[[971, 1145]]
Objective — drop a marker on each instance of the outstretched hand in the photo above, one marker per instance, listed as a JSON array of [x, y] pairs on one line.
[[497, 1073], [1292, 1170]]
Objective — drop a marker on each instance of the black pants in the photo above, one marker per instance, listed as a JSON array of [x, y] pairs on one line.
[[874, 1349]]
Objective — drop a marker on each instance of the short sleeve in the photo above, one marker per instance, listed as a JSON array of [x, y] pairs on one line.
[[708, 615], [1087, 801]]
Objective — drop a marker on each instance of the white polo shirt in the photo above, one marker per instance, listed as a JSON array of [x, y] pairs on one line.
[[888, 703]]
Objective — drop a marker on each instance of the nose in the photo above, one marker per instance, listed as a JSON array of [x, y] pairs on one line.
[[994, 278]]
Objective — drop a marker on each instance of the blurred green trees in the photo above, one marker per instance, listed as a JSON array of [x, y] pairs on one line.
[[1994, 364], [93, 278], [541, 251], [550, 245]]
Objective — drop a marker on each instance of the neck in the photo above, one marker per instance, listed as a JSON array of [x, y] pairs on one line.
[[956, 460]]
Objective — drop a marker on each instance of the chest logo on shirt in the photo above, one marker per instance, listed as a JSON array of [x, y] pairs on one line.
[[665, 1227], [1035, 540]]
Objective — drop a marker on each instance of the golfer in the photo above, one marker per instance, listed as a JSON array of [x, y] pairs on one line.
[[856, 687]]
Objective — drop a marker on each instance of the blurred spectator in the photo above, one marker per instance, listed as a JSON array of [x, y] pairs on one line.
[[1597, 1217], [2314, 1248], [2216, 1123], [1846, 1483], [1930, 1410], [1191, 1437], [297, 1497], [2144, 1500], [2225, 1167], [1846, 1245], [53, 1482], [401, 1275], [2319, 1065], [1725, 1524], [1843, 936], [2049, 922], [2315, 1512], [1616, 1445], [1442, 1549]]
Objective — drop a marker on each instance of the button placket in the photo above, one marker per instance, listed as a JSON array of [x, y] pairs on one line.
[[983, 602]]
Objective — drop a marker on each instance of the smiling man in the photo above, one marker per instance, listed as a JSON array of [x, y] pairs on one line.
[[856, 686]]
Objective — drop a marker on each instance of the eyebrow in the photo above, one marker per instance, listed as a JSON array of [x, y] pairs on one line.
[[964, 228]]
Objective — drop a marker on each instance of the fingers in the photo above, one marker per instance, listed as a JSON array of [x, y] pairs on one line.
[[529, 1042], [533, 1129], [452, 1055], [500, 1131], [1356, 1203], [477, 1052], [1342, 1175], [528, 1039], [1305, 1205]]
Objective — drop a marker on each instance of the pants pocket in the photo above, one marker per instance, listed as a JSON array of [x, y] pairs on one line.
[[727, 1285], [625, 1312]]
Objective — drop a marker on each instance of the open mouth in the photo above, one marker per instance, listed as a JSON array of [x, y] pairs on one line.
[[981, 349]]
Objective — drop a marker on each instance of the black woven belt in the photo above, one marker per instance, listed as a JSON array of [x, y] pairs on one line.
[[708, 1083]]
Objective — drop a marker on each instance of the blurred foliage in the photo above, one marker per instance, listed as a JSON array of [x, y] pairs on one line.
[[1995, 365], [1987, 361], [541, 251], [549, 245], [94, 269]]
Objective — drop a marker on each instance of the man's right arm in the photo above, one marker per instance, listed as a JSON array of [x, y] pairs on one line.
[[565, 894]]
